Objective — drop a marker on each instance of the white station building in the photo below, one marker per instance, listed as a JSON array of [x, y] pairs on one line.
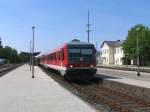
[[112, 52]]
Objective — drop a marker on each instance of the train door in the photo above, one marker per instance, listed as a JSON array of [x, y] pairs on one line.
[[45, 60], [62, 71], [62, 57], [59, 59]]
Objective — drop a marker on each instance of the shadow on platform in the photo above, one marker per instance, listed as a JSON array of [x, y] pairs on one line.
[[106, 77]]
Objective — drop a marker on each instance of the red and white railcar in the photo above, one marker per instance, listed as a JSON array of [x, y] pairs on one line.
[[74, 60]]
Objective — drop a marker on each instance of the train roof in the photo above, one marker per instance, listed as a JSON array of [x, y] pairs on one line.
[[78, 43], [73, 42]]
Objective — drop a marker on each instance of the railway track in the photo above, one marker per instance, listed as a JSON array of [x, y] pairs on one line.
[[119, 102], [7, 68], [94, 90]]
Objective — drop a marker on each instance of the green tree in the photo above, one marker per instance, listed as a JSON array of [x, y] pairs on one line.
[[1, 53], [11, 55], [7, 52], [21, 58], [130, 46]]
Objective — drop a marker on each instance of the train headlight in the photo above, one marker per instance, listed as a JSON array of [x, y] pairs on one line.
[[71, 66], [91, 66]]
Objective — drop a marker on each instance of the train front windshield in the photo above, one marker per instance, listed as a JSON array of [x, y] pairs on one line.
[[77, 53]]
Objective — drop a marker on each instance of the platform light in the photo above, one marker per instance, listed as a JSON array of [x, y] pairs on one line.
[[33, 27], [138, 53], [30, 54]]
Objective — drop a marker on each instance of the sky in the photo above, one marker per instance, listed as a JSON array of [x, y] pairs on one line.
[[59, 21]]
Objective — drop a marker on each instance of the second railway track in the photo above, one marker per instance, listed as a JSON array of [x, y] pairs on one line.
[[95, 91], [7, 68]]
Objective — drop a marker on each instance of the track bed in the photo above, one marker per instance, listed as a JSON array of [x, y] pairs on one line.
[[101, 97]]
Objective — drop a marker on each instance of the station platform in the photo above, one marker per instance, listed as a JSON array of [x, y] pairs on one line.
[[126, 82], [21, 93], [127, 77]]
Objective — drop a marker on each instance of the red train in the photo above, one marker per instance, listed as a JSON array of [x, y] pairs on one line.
[[74, 60]]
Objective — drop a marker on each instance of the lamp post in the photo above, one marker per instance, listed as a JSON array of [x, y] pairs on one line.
[[30, 55], [138, 54], [33, 27]]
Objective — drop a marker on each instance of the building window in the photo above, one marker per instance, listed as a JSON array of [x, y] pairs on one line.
[[120, 60], [107, 59], [121, 49]]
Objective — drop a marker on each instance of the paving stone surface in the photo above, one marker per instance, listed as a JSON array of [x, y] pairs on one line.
[[127, 77], [21, 93]]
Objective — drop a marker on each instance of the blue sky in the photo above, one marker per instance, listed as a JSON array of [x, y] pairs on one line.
[[59, 21]]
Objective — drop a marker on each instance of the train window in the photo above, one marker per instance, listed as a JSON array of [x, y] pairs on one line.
[[50, 57], [86, 51], [74, 52], [59, 55], [54, 56], [62, 54]]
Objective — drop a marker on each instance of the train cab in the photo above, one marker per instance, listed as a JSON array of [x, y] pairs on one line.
[[74, 60]]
